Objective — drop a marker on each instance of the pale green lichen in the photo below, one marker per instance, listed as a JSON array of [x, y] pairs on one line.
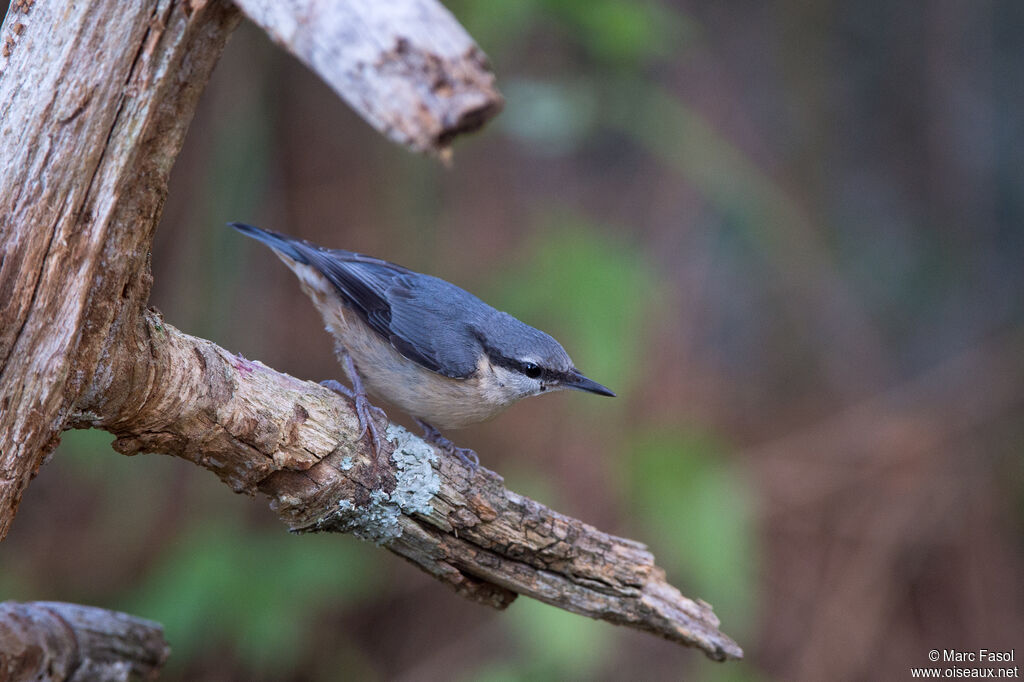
[[417, 480], [378, 520], [416, 483], [346, 463]]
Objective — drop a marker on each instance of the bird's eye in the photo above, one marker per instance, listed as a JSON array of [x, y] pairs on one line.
[[531, 370]]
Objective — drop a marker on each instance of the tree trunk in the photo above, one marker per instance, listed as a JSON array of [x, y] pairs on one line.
[[95, 99]]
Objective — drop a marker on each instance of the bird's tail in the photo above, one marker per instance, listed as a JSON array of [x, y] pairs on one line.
[[278, 242]]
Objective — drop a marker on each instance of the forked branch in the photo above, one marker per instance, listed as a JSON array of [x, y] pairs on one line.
[[95, 100]]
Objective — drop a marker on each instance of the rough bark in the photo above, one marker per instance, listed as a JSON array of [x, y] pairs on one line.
[[408, 67], [56, 641], [160, 390], [95, 99]]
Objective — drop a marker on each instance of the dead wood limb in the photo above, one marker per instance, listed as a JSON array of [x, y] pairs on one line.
[[95, 99], [406, 67], [159, 390], [57, 641]]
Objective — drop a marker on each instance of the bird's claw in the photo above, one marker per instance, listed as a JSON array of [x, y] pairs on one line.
[[465, 455], [468, 457], [366, 411]]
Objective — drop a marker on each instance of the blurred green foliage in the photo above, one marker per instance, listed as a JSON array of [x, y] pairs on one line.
[[588, 285], [236, 168], [240, 164], [617, 33], [254, 590], [553, 645], [695, 506], [699, 509], [552, 118]]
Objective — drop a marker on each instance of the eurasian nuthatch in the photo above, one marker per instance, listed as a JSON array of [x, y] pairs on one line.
[[421, 343]]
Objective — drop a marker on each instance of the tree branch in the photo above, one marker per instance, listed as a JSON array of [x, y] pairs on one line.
[[408, 67], [56, 641], [159, 390]]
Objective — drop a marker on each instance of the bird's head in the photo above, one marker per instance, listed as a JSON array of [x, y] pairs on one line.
[[526, 361]]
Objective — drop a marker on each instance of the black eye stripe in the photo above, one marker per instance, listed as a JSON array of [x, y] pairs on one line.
[[529, 369]]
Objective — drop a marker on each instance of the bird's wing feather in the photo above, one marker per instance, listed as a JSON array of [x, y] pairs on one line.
[[412, 311]]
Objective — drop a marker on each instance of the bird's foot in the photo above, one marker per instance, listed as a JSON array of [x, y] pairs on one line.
[[339, 388], [465, 455], [365, 410]]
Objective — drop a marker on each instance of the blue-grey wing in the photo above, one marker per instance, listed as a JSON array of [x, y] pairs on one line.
[[426, 319]]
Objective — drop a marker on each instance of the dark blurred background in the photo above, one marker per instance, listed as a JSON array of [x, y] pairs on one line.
[[791, 237]]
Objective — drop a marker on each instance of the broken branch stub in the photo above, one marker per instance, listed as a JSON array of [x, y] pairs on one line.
[[407, 66], [58, 641]]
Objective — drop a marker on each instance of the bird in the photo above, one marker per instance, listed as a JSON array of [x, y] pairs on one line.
[[421, 343]]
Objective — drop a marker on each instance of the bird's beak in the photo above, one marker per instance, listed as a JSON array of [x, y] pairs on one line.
[[581, 383]]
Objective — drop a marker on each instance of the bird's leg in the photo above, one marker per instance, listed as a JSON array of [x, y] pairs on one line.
[[364, 409], [465, 455]]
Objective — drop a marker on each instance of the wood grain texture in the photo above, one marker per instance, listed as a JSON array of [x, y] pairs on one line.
[[159, 390], [407, 67], [95, 99], [58, 641]]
